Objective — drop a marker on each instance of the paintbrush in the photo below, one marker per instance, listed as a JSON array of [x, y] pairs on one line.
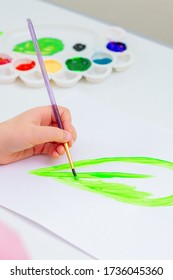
[[49, 90]]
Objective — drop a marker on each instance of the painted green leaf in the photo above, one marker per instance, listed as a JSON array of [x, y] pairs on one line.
[[48, 46], [98, 182]]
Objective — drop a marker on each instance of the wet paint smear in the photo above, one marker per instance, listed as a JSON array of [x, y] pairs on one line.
[[78, 64], [116, 46], [4, 60], [102, 61], [26, 66], [95, 181], [48, 46], [52, 66], [79, 47]]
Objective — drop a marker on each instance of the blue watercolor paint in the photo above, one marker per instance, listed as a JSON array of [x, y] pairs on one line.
[[116, 46], [102, 61], [102, 58]]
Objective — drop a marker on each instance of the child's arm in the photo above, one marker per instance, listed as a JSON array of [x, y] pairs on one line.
[[35, 132]]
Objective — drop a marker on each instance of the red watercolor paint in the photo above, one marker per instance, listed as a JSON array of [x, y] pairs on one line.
[[4, 60], [26, 66]]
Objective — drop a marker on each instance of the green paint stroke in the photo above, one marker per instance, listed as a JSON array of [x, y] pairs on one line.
[[1, 33], [48, 46], [94, 181]]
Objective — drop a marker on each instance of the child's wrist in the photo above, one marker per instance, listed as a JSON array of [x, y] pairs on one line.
[[2, 143]]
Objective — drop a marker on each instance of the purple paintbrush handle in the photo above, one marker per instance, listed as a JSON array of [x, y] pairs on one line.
[[44, 74]]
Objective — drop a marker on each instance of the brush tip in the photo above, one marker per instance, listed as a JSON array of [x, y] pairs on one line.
[[74, 172]]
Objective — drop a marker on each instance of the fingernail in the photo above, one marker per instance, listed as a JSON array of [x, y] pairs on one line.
[[67, 136], [71, 142]]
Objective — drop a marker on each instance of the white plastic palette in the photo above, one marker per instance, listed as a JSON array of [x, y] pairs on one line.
[[63, 66]]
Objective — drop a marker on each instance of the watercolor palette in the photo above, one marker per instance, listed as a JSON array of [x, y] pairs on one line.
[[69, 53]]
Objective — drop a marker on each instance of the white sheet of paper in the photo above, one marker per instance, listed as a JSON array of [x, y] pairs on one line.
[[101, 226]]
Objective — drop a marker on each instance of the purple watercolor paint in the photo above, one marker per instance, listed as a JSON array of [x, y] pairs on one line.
[[116, 46]]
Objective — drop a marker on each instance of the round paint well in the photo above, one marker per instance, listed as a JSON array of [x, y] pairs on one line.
[[97, 74], [78, 64], [66, 78], [32, 78], [5, 59], [123, 62], [115, 33], [24, 64], [7, 75], [116, 46], [102, 58], [79, 47], [52, 66]]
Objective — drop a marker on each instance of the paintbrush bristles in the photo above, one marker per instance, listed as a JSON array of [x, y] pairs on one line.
[[70, 158], [74, 172]]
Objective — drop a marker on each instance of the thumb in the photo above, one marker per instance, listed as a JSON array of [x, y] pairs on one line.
[[44, 134]]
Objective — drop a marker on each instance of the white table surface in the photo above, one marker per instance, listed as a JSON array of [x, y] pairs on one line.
[[146, 90]]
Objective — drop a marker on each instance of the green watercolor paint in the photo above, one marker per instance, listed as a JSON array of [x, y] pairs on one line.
[[78, 64], [1, 33], [94, 181], [48, 46]]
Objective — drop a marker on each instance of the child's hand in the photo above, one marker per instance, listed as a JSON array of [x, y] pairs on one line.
[[35, 132]]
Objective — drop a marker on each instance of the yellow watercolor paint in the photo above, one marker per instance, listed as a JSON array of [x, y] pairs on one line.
[[52, 66]]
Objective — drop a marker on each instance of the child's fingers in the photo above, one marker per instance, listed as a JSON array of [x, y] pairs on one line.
[[44, 134], [53, 150], [60, 150], [70, 143], [69, 127], [65, 114], [44, 115]]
